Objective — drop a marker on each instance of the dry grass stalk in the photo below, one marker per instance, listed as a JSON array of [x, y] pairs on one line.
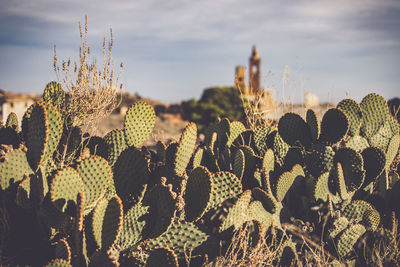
[[240, 253], [92, 89]]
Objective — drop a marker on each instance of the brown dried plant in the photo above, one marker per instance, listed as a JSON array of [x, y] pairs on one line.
[[92, 90]]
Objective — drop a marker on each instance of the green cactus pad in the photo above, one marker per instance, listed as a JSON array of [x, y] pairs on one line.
[[339, 225], [45, 129], [198, 157], [12, 121], [133, 225], [162, 257], [222, 129], [162, 202], [170, 153], [371, 219], [321, 188], [116, 144], [182, 237], [348, 239], [13, 166], [130, 173], [54, 94], [392, 150], [353, 167], [65, 186], [295, 155], [225, 186], [356, 209], [313, 124], [24, 122], [160, 149], [292, 128], [268, 165], [62, 250], [256, 211], [185, 148], [319, 160], [340, 183], [260, 137], [375, 112], [236, 128], [374, 163], [353, 111], [250, 161], [267, 200], [107, 222], [239, 164], [382, 138], [334, 126], [198, 193], [237, 215], [24, 197], [96, 175], [8, 136], [280, 148], [139, 123], [284, 183], [357, 143], [58, 263], [210, 161]]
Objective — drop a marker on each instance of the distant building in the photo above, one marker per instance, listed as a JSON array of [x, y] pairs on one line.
[[254, 90], [17, 103]]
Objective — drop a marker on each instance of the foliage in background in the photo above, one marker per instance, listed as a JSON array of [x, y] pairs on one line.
[[215, 102]]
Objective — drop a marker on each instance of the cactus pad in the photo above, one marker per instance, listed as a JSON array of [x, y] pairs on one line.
[[162, 210], [162, 257], [313, 124], [185, 148], [96, 175], [12, 121], [58, 263], [284, 183], [45, 129], [133, 225], [292, 128], [107, 222], [198, 193], [375, 112], [260, 137], [139, 123], [116, 144], [239, 164], [357, 143], [65, 186], [348, 239], [236, 128], [13, 166], [54, 94], [225, 186], [256, 211], [353, 112], [334, 126], [374, 163], [267, 200], [237, 215], [182, 237], [130, 173], [319, 160], [392, 150], [353, 167]]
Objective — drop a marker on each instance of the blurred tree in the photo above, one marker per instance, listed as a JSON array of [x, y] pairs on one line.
[[215, 102]]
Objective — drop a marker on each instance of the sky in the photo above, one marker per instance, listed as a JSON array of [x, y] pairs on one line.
[[172, 50]]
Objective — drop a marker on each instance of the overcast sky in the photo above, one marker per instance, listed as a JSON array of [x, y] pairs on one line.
[[173, 49]]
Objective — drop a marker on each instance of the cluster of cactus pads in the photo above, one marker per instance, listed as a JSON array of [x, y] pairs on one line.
[[70, 201]]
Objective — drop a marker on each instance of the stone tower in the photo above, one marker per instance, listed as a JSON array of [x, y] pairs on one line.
[[254, 72], [240, 78]]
